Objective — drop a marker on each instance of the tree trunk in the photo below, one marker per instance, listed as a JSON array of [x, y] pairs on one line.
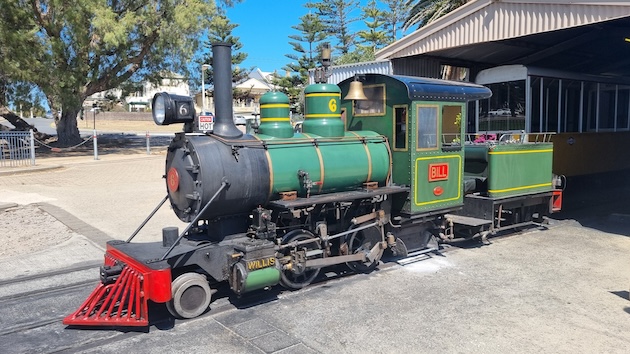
[[67, 129], [20, 124]]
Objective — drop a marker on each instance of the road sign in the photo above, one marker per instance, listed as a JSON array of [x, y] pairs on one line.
[[206, 122]]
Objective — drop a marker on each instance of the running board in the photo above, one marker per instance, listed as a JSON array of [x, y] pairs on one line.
[[467, 220]]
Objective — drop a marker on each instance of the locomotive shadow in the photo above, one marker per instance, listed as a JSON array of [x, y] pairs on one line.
[[624, 294], [507, 233], [118, 328], [273, 293], [224, 299]]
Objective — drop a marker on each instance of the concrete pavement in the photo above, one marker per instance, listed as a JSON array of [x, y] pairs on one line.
[[113, 194], [561, 290]]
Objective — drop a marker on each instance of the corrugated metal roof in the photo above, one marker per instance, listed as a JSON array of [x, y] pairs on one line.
[[339, 73], [492, 20]]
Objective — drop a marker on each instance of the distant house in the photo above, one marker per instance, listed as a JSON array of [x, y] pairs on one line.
[[247, 93], [100, 98], [140, 101], [266, 77]]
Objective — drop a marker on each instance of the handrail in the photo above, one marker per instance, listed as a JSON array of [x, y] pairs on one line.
[[509, 138], [224, 184]]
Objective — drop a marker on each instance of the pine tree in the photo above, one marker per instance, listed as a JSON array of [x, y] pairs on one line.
[[337, 17], [221, 30], [423, 12], [394, 17], [306, 45], [375, 37]]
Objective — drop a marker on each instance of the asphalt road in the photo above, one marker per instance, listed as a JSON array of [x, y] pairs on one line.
[[559, 290]]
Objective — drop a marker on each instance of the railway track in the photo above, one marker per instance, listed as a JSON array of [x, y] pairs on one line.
[[32, 309]]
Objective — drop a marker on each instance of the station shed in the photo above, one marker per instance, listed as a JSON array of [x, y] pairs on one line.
[[560, 66]]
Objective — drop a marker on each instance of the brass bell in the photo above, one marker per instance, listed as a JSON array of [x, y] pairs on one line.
[[356, 91]]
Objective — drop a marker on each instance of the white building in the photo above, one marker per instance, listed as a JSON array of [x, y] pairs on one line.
[[140, 101], [172, 83], [257, 84]]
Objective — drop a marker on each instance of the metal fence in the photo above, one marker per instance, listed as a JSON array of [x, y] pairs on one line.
[[17, 149]]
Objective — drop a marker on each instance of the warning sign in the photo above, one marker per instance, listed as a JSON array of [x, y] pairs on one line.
[[206, 122]]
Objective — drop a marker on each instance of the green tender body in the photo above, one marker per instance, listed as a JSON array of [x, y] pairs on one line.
[[259, 279], [332, 164], [515, 169]]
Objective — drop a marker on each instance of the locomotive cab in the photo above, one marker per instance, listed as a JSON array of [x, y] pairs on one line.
[[424, 121]]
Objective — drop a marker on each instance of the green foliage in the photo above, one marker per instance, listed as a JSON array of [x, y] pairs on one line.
[[73, 49], [382, 26], [307, 52], [458, 119], [306, 45], [25, 98], [360, 54], [423, 12], [221, 30], [394, 17], [336, 15], [374, 37]]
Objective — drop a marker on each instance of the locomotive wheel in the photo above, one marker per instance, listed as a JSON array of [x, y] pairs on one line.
[[191, 296], [298, 277], [363, 241]]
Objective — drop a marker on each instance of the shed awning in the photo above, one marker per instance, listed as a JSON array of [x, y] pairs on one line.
[[582, 36]]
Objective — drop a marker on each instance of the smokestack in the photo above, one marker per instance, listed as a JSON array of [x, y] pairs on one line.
[[222, 66]]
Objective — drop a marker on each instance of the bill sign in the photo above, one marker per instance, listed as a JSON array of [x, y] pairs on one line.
[[438, 172]]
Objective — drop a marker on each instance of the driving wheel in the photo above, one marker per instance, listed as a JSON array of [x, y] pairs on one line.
[[363, 241], [298, 276]]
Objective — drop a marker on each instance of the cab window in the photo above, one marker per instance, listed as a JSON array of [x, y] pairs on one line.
[[400, 127], [427, 127], [375, 103]]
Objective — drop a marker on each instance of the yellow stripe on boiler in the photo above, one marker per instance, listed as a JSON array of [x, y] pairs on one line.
[[321, 168], [323, 95], [275, 105], [324, 115], [274, 119]]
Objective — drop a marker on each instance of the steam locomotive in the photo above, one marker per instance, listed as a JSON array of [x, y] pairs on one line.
[[388, 168]]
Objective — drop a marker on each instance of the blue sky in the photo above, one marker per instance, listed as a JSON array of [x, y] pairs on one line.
[[264, 27]]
